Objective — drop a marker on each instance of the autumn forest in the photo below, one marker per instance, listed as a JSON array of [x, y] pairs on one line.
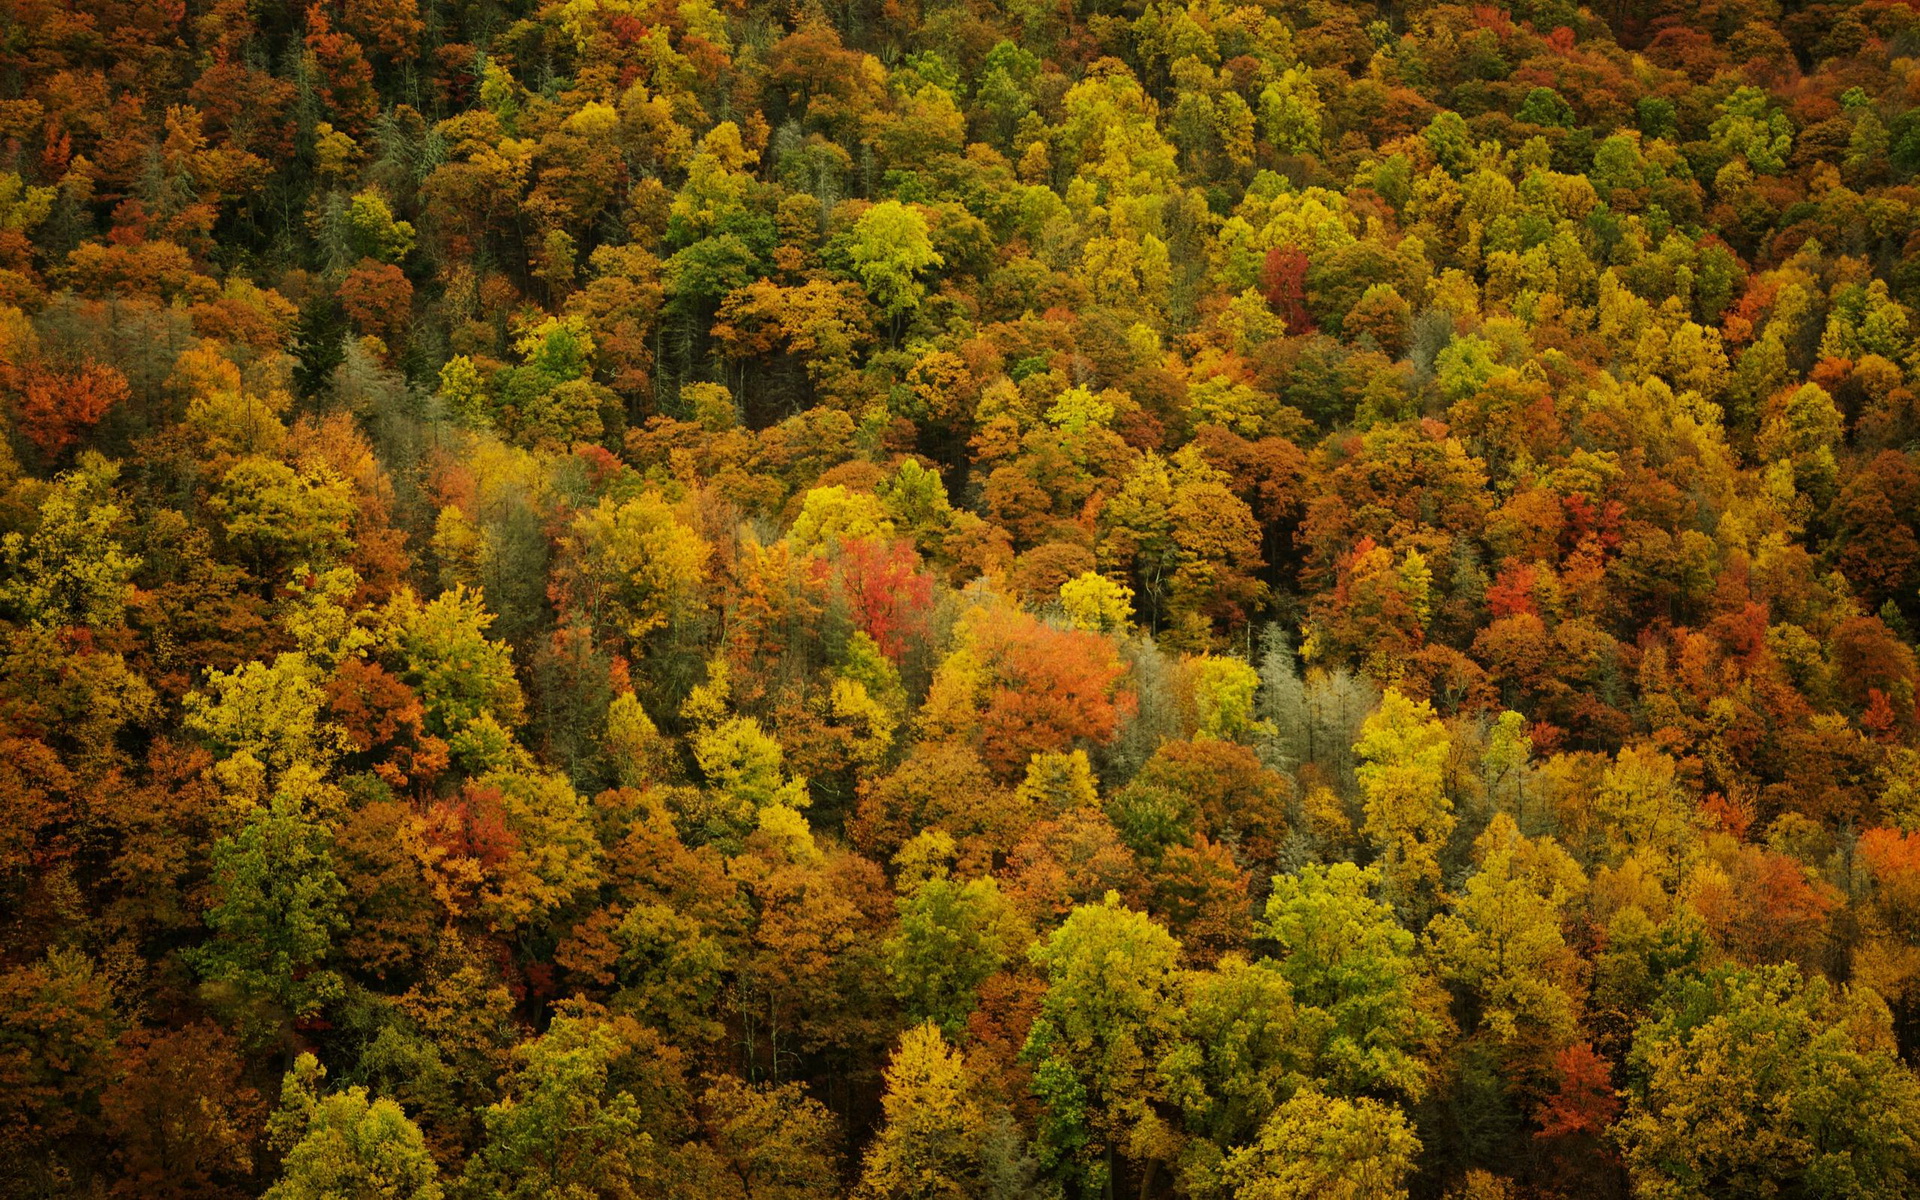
[[959, 600]]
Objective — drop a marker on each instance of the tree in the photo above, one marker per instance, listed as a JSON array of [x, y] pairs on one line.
[[1190, 542], [1799, 435], [1503, 941], [886, 590], [1213, 788], [1110, 1007], [182, 1116], [373, 232], [444, 1045], [1403, 749], [1223, 691], [812, 977], [889, 250], [268, 716], [1283, 281], [276, 907], [1097, 604], [835, 515], [1236, 1056], [1749, 125], [1643, 812], [1019, 687], [1798, 1080], [1450, 142], [378, 299], [512, 847], [1201, 893], [640, 755], [344, 1144], [465, 680], [939, 785], [1070, 860], [550, 401], [745, 769], [952, 936], [1363, 1009], [57, 409], [1325, 1146], [943, 1135], [1383, 315], [1291, 112], [391, 915], [1544, 106], [72, 569], [280, 517], [580, 1114], [768, 1142], [636, 566], [57, 1030], [1888, 956]]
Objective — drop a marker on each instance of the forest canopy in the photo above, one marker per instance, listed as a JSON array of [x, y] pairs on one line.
[[922, 599]]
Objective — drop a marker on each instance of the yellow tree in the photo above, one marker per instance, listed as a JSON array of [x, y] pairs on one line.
[[1403, 750], [1327, 1148], [346, 1144], [943, 1136], [1503, 944], [1223, 698], [636, 565], [1097, 604]]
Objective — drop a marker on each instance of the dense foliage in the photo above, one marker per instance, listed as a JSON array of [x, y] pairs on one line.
[[621, 598]]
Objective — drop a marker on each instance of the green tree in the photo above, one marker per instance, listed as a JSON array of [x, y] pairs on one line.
[[890, 249], [550, 399], [952, 936], [1450, 142], [277, 904], [1291, 112], [1110, 1007], [1363, 1008], [464, 678], [1750, 125], [1544, 106], [1236, 1057]]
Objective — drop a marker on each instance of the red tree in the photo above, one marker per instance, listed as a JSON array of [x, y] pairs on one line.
[[882, 583], [377, 299], [55, 408], [1283, 280]]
